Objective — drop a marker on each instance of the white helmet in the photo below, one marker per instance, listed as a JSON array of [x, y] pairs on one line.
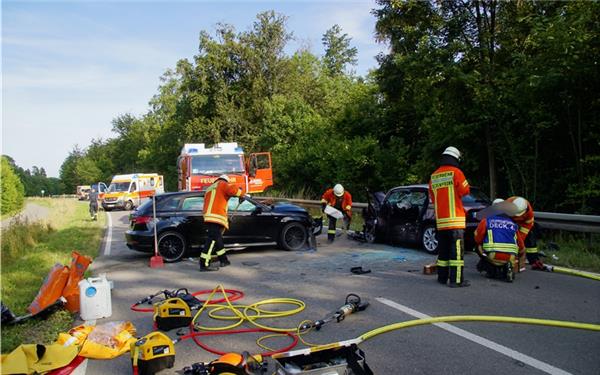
[[452, 151], [223, 177], [338, 190], [521, 204], [497, 200]]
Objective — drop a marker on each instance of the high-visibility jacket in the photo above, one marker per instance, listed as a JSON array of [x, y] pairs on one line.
[[447, 186], [215, 202], [330, 198], [525, 221], [498, 234]]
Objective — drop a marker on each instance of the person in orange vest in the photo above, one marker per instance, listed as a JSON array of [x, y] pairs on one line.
[[498, 245], [525, 219], [215, 220], [341, 200], [447, 186]]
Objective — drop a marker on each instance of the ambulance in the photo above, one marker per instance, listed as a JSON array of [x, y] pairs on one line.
[[199, 166], [127, 191]]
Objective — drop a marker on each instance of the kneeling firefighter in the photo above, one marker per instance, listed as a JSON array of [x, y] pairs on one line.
[[341, 200], [216, 222], [498, 244]]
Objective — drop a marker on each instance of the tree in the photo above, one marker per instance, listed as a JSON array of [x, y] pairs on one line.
[[12, 191], [338, 53]]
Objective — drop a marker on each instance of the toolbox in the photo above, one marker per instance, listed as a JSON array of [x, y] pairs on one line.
[[343, 360]]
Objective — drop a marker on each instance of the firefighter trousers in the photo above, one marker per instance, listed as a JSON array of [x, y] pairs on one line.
[[531, 246], [331, 228], [213, 245], [450, 262]]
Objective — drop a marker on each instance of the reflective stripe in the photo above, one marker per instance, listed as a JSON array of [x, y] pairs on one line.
[[221, 252], [348, 208], [442, 263], [490, 237], [331, 231], [531, 250], [465, 183], [214, 218], [529, 221], [208, 254], [458, 223], [524, 230], [458, 263]]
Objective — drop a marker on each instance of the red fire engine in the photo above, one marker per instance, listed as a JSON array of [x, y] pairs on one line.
[[199, 166]]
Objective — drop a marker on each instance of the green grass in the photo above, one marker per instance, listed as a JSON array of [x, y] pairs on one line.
[[576, 251], [29, 250]]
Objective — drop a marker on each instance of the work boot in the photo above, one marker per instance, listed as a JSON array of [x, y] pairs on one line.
[[208, 269], [464, 284], [225, 263], [510, 273]]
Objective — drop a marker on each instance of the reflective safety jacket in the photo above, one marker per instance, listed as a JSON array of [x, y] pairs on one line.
[[498, 234], [331, 199], [524, 221], [215, 202], [447, 186]]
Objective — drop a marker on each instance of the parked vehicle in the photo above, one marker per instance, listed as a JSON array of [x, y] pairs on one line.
[[127, 191], [199, 166], [83, 192], [101, 188], [407, 216], [180, 225]]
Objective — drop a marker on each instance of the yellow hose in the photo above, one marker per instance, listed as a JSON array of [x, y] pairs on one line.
[[479, 318], [569, 271]]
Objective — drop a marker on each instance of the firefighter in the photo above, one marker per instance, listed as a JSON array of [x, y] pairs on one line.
[[93, 197], [524, 218], [341, 200], [215, 220], [447, 186], [498, 244]]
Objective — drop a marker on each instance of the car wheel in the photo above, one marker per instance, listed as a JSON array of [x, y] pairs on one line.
[[129, 205], [171, 246], [429, 239], [293, 236]]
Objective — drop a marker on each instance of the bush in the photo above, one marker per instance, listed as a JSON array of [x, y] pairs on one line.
[[12, 192]]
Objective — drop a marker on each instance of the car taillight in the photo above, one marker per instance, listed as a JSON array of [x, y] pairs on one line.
[[142, 220]]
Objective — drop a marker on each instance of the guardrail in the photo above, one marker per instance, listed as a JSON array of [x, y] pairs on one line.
[[547, 220]]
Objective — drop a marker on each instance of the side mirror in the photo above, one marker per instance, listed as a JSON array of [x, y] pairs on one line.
[[257, 211]]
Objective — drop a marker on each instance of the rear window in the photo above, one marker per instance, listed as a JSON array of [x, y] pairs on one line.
[[162, 204], [476, 196], [193, 204]]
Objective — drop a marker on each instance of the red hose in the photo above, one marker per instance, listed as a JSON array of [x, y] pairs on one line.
[[235, 295]]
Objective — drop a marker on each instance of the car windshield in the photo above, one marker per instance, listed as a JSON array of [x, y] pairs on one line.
[[118, 186], [476, 196], [217, 164]]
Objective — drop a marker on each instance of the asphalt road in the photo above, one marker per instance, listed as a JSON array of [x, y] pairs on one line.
[[397, 290]]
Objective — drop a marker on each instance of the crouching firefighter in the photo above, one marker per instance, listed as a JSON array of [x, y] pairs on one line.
[[341, 200], [498, 245], [525, 219], [216, 222]]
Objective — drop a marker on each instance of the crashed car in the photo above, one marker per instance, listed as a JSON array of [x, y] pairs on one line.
[[407, 215], [181, 232]]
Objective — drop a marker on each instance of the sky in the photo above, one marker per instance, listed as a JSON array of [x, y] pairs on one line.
[[70, 67]]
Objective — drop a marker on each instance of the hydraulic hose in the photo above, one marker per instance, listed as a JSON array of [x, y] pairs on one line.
[[569, 271]]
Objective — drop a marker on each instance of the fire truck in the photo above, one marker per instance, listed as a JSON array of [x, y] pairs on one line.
[[199, 166]]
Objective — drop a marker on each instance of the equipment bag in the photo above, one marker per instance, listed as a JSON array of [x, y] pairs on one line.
[[172, 313]]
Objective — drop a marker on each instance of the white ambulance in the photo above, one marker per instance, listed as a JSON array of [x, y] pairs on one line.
[[127, 191]]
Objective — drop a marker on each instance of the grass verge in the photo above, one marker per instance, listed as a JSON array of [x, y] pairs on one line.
[[571, 250], [28, 252]]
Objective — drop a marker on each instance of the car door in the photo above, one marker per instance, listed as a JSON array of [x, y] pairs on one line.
[[248, 222], [389, 220], [411, 211], [191, 221]]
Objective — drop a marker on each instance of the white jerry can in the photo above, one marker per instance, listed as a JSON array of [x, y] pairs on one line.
[[94, 298]]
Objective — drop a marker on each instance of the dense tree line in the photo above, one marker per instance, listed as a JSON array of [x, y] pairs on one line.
[[11, 188], [514, 85]]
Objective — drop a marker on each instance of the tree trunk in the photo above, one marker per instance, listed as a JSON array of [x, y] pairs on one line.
[[491, 160]]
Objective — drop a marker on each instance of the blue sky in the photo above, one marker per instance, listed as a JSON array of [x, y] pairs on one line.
[[69, 68]]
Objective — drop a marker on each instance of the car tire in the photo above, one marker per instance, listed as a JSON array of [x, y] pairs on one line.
[[293, 236], [128, 205], [429, 240], [171, 246], [107, 209]]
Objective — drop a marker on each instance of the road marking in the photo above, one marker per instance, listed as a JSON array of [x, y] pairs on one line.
[[108, 239], [542, 366]]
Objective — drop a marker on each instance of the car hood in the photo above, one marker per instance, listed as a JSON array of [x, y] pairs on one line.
[[283, 207]]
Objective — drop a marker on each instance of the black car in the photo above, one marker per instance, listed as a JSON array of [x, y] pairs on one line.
[[407, 216], [180, 225]]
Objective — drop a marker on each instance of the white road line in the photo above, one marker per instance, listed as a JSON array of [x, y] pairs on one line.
[[108, 238], [542, 366]]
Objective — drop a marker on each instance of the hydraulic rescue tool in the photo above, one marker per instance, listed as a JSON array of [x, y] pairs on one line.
[[172, 313], [353, 304], [230, 364], [152, 353]]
